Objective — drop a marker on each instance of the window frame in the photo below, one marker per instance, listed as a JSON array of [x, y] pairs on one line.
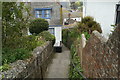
[[43, 12]]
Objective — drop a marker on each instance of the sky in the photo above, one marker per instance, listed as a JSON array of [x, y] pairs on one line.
[[57, 0], [46, 0]]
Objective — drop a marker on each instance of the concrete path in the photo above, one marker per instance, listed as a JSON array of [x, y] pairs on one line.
[[59, 66]]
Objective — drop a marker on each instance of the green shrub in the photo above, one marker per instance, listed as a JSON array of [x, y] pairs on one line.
[[96, 27], [11, 55], [47, 36], [73, 32], [32, 42], [82, 27], [88, 25], [87, 19], [5, 67], [87, 35], [65, 36], [20, 48], [26, 42], [38, 25]]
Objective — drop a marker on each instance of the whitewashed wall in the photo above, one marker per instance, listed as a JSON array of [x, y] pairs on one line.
[[57, 33], [103, 12]]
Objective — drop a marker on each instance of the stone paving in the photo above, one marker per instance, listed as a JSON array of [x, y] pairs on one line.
[[59, 66]]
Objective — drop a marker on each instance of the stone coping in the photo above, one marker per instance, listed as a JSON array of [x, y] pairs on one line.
[[99, 36]]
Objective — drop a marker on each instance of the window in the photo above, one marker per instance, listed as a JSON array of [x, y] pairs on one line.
[[44, 13], [39, 13], [51, 30], [118, 14], [47, 13]]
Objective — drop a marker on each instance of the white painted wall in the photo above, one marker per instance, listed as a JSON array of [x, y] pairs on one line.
[[103, 12], [57, 33]]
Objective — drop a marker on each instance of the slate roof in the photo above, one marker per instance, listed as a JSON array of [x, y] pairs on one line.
[[73, 14]]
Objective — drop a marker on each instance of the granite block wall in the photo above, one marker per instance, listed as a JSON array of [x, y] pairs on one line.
[[100, 57]]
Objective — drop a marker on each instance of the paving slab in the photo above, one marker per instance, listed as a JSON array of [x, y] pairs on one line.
[[59, 67]]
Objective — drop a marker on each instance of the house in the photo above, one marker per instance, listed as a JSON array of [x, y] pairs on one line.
[[65, 4], [52, 12], [74, 16], [104, 11]]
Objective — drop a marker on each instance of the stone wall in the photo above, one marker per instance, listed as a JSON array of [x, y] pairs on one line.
[[100, 57], [34, 67]]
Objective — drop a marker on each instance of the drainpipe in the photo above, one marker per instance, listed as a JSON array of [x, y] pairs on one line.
[[61, 15], [69, 18], [69, 15]]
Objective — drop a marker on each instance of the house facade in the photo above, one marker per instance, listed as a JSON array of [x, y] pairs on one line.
[[51, 11], [104, 11]]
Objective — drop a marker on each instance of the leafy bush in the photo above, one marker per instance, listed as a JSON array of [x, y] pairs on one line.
[[82, 27], [11, 55], [74, 33], [65, 36], [4, 67], [69, 36], [91, 23], [47, 36], [87, 19], [96, 27], [38, 25], [88, 24], [20, 48], [26, 42], [31, 42], [87, 35]]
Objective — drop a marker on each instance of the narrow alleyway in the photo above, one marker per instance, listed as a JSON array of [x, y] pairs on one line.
[[59, 67]]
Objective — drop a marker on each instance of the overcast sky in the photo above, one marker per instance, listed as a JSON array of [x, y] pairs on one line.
[[46, 0], [63, 0]]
